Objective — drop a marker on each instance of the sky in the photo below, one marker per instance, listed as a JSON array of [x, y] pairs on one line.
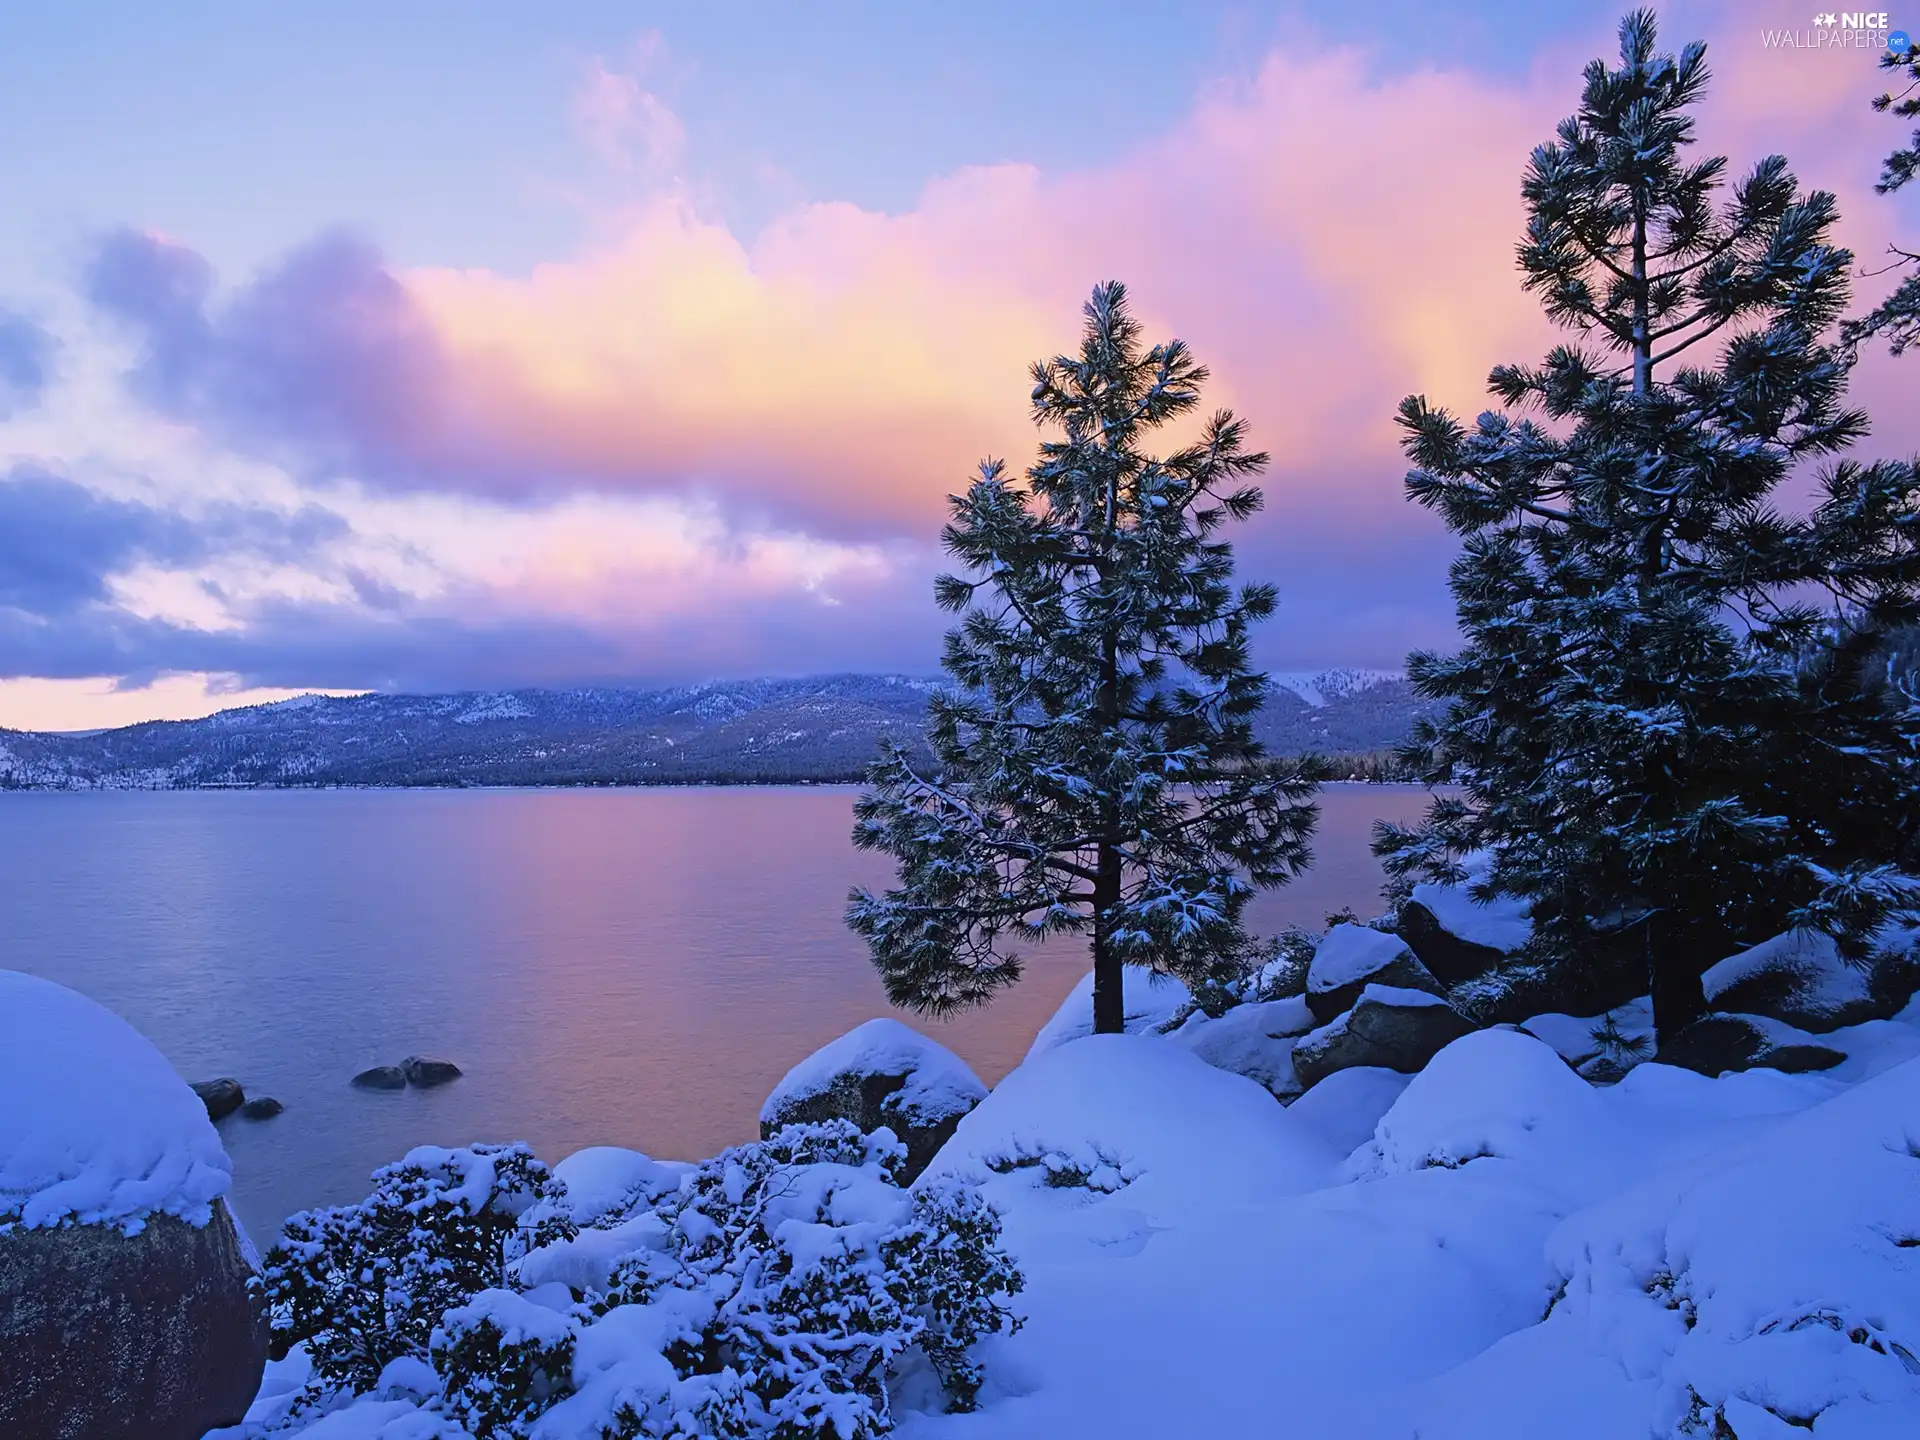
[[423, 346]]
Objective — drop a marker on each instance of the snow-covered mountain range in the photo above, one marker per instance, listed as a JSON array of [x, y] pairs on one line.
[[820, 729]]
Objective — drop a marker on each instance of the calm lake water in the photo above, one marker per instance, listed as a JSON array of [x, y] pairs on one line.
[[628, 967]]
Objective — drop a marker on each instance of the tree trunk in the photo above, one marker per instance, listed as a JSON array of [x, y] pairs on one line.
[[1109, 975], [1673, 980]]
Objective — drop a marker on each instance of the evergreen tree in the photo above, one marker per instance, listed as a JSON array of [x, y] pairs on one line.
[[1670, 750], [1898, 316], [1095, 766]]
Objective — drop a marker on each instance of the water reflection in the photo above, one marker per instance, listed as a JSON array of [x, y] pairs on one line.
[[609, 967]]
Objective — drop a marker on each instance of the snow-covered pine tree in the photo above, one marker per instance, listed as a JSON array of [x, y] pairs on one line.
[[1898, 316], [1667, 746], [1095, 766]]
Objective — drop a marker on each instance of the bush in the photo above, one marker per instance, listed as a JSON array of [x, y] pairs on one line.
[[773, 1294], [362, 1285]]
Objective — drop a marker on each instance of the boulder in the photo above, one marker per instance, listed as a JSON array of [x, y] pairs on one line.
[[382, 1077], [1352, 957], [221, 1097], [111, 1336], [263, 1108], [1447, 956], [1716, 1044], [880, 1074], [1801, 978], [1392, 1028], [423, 1071], [1252, 1040], [126, 1308], [1458, 937]]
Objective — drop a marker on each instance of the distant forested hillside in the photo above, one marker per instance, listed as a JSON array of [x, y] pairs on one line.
[[738, 732]]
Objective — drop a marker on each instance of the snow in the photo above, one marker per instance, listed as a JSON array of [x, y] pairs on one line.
[[938, 1082], [600, 1177], [1251, 1040], [1501, 923], [1151, 1001], [1573, 1036], [1409, 1292], [1493, 1249], [1823, 981], [1344, 1108], [95, 1125], [1350, 953]]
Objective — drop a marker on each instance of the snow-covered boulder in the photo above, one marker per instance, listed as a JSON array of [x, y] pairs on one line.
[[1389, 1027], [1352, 957], [1151, 1000], [1494, 1093], [1252, 1040], [1601, 1047], [1458, 937], [128, 1310], [1716, 1044], [879, 1074], [1344, 1108], [1767, 1289], [1132, 1118], [1801, 978]]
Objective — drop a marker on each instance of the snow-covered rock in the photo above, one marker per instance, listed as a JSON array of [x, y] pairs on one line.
[[1801, 978], [127, 1306], [1770, 1288], [1716, 1044], [1458, 937], [1489, 1094], [1396, 1028], [1344, 1108], [95, 1126], [1600, 1047], [1151, 1001], [1160, 1120], [1352, 957], [1253, 1040], [879, 1074]]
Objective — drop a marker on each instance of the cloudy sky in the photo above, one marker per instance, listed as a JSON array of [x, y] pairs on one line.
[[428, 346]]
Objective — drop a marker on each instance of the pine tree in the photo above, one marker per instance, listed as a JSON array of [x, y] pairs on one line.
[[1670, 750], [1095, 771], [1898, 316]]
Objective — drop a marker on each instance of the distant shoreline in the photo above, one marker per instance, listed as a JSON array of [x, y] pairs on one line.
[[216, 789]]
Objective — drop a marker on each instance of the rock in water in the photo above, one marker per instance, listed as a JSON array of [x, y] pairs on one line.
[[264, 1108], [1352, 957], [880, 1074], [382, 1077], [221, 1097], [420, 1070], [127, 1311], [1396, 1029]]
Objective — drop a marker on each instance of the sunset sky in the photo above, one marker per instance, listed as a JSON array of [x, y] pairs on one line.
[[441, 346]]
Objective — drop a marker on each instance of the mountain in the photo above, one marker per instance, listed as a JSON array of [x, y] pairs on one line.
[[821, 729]]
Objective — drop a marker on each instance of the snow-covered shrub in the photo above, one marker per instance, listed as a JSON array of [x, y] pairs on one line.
[[823, 1271], [769, 1295], [505, 1360], [361, 1285]]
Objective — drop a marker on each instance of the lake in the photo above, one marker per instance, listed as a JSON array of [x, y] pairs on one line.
[[626, 967]]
